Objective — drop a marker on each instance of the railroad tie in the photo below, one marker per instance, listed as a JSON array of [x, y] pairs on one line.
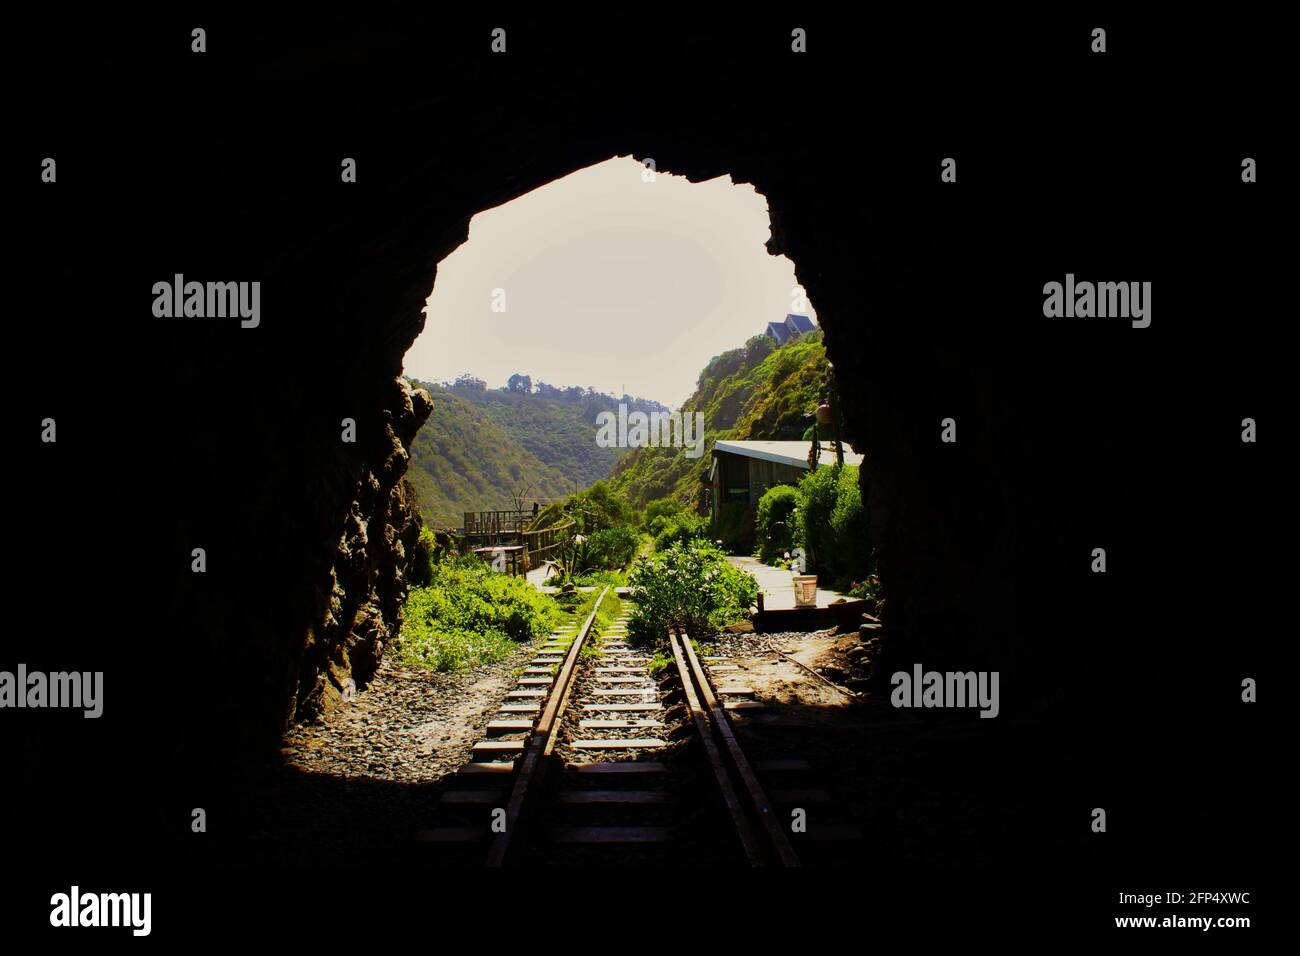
[[639, 797], [632, 743], [611, 834]]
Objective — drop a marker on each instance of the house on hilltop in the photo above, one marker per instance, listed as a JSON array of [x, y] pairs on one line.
[[790, 328]]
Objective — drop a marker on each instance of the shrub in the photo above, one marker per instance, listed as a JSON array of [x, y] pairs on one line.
[[690, 585], [468, 614], [599, 507], [675, 529], [734, 527], [613, 548], [421, 572], [831, 526], [660, 508], [774, 522]]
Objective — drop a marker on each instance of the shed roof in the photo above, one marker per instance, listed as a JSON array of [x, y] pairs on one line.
[[783, 452]]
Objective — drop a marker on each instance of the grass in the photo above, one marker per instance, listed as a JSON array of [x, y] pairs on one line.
[[469, 616], [659, 663]]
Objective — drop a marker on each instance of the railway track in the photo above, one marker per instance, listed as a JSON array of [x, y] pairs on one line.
[[595, 759]]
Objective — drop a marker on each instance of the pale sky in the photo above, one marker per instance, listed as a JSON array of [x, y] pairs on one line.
[[610, 282]]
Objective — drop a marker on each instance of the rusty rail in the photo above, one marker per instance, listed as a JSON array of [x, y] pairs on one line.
[[700, 715], [778, 844], [532, 767]]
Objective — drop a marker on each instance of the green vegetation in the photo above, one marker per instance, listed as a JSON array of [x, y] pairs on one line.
[[468, 615], [481, 447], [614, 547], [774, 523], [462, 460], [753, 392], [690, 585], [831, 526], [668, 522], [659, 663], [605, 537]]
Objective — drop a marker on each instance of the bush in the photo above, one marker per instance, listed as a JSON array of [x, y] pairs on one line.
[[831, 525], [421, 572], [430, 548], [469, 614], [660, 508], [774, 522], [690, 585], [734, 527], [613, 548], [676, 529], [599, 507]]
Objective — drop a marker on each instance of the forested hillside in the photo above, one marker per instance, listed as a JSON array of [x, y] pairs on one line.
[[756, 391], [480, 447]]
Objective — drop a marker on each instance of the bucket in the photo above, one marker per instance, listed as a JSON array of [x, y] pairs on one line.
[[805, 590]]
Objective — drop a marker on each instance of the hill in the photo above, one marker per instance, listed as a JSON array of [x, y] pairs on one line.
[[480, 447], [756, 391]]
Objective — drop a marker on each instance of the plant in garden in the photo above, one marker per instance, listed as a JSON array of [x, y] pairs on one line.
[[468, 614], [774, 522], [691, 586], [831, 525]]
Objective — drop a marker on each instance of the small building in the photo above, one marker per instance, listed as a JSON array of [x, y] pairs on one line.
[[790, 328], [743, 470]]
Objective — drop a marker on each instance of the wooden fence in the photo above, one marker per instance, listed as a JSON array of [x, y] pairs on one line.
[[508, 530], [541, 545]]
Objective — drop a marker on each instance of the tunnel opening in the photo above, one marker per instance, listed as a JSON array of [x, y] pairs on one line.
[[616, 273]]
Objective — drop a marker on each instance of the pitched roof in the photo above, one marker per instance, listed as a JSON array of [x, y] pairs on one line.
[[800, 323]]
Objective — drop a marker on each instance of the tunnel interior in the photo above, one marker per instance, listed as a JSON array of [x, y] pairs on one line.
[[931, 307]]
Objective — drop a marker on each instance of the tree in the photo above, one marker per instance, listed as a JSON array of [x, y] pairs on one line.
[[523, 384], [471, 383]]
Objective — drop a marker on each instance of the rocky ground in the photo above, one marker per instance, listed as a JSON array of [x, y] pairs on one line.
[[357, 781]]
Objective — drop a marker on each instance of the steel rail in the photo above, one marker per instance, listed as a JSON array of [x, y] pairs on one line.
[[541, 743]]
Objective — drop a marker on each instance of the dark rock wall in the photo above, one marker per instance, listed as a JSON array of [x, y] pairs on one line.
[[358, 602]]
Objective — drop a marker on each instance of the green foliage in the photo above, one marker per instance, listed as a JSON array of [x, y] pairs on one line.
[[462, 460], [868, 588], [614, 548], [659, 663], [753, 392], [675, 529], [421, 572], [691, 586], [831, 525], [734, 526], [468, 614], [599, 579], [600, 507], [481, 447], [604, 537], [430, 548], [660, 508], [774, 522]]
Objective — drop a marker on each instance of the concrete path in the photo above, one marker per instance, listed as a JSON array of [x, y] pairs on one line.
[[777, 586]]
